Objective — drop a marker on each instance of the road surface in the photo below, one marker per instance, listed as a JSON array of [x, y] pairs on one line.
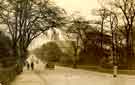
[[68, 76]]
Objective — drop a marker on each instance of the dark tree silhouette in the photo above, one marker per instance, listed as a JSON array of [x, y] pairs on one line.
[[77, 30], [6, 53], [127, 15], [26, 20]]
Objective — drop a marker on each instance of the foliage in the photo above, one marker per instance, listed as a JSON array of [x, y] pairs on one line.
[[49, 52], [91, 54], [119, 18], [127, 14], [6, 52], [27, 19]]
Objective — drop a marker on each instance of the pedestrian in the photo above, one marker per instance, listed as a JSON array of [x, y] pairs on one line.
[[32, 65], [28, 65]]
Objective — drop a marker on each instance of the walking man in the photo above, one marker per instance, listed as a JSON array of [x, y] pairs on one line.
[[32, 65], [28, 65]]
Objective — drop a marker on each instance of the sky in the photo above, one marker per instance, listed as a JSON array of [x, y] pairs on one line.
[[81, 7]]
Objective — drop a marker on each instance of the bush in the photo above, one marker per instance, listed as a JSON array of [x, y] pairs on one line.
[[7, 75], [7, 60]]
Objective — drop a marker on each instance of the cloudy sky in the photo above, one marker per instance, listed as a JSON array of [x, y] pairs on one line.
[[82, 7]]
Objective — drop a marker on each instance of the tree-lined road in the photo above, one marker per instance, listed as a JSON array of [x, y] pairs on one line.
[[69, 76]]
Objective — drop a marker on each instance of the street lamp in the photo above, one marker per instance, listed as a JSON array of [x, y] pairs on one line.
[[115, 55]]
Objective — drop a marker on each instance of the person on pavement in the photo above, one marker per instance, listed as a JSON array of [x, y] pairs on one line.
[[28, 65], [32, 65]]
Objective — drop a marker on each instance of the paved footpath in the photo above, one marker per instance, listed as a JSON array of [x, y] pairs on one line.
[[69, 76]]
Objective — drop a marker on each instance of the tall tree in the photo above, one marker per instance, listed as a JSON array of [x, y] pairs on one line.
[[103, 15], [78, 28], [127, 15], [26, 20]]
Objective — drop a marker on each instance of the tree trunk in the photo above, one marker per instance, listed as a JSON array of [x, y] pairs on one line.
[[129, 48]]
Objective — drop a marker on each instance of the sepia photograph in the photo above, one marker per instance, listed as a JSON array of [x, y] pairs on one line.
[[67, 42]]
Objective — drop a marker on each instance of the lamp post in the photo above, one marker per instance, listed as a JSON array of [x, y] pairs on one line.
[[115, 67], [115, 55]]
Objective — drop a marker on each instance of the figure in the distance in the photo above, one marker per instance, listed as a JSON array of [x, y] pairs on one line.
[[32, 65], [28, 65]]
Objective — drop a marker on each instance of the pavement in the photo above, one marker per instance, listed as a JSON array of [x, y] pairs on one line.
[[68, 76]]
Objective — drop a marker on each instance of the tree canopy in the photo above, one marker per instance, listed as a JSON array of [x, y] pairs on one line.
[[49, 52], [27, 19]]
